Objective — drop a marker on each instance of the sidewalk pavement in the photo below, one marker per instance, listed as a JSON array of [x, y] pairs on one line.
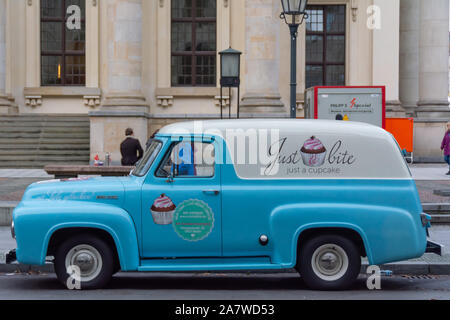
[[430, 172], [24, 173]]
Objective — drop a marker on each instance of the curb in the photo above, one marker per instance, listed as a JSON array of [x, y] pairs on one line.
[[22, 268], [400, 268], [417, 268]]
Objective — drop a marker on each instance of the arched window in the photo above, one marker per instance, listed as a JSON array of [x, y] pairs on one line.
[[63, 43], [193, 41]]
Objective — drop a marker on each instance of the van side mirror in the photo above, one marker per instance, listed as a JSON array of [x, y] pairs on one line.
[[170, 177]]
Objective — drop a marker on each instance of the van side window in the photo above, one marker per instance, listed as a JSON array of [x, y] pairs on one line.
[[187, 160]]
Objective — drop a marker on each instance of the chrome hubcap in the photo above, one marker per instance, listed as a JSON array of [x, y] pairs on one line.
[[329, 262], [87, 259]]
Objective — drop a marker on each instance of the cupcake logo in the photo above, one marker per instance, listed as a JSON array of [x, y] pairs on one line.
[[313, 153], [162, 210]]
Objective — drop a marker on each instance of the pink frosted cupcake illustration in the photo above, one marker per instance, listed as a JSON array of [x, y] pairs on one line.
[[162, 210], [313, 153]]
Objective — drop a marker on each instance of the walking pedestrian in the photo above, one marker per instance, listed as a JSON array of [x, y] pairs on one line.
[[445, 146]]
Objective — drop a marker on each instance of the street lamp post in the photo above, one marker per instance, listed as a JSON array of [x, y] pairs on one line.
[[294, 12], [230, 71]]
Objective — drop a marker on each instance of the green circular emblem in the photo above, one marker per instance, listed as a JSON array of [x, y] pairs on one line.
[[193, 220]]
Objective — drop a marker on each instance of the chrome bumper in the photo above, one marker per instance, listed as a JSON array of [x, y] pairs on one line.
[[11, 257], [433, 247]]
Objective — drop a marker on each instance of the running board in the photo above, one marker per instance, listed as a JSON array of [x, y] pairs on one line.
[[206, 264]]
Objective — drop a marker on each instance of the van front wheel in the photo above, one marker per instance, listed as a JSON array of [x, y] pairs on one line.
[[84, 262], [329, 262]]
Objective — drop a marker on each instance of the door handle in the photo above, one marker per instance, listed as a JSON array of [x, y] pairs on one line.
[[213, 192]]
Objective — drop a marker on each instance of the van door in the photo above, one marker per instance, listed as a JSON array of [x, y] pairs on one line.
[[181, 203]]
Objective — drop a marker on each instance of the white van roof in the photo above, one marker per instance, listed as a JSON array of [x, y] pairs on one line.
[[285, 125], [303, 149]]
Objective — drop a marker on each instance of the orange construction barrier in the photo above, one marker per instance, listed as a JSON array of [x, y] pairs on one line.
[[403, 131]]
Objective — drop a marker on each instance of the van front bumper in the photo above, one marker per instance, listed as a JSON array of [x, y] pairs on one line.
[[11, 257], [433, 247]]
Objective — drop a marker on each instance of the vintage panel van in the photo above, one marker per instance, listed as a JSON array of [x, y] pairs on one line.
[[234, 195]]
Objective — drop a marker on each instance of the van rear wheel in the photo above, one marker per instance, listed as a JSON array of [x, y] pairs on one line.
[[329, 262], [84, 262]]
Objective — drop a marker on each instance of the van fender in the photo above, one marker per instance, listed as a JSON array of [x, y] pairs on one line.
[[38, 232], [377, 226]]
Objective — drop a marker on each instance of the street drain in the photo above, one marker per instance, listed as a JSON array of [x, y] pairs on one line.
[[422, 277]]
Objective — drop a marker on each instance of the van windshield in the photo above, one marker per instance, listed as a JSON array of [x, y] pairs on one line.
[[150, 155]]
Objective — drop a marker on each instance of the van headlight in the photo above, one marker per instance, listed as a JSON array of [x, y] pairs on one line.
[[13, 232]]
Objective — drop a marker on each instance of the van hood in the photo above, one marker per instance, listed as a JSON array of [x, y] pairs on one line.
[[100, 190]]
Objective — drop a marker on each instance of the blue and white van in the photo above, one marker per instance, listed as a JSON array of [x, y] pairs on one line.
[[234, 195]]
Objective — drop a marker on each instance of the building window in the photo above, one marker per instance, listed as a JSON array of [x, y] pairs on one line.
[[193, 42], [325, 46], [63, 43]]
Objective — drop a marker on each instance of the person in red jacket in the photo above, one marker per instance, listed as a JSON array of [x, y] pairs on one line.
[[445, 146]]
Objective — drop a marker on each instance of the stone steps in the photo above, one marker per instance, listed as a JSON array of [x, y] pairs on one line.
[[34, 141], [32, 164], [43, 157], [5, 148], [40, 152], [45, 135], [38, 141], [51, 129]]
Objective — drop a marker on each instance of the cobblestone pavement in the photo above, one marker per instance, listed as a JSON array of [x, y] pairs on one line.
[[427, 187]]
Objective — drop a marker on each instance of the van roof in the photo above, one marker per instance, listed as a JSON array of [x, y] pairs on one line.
[[219, 127], [345, 150]]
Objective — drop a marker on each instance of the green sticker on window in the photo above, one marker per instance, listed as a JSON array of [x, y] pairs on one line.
[[193, 220]]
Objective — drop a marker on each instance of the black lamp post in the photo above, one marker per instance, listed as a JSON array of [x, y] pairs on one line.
[[294, 12], [230, 71]]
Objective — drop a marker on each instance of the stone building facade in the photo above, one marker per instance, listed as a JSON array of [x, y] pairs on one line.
[[122, 62]]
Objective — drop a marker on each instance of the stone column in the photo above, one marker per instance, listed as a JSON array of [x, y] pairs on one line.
[[124, 104], [409, 54], [433, 65], [5, 104], [262, 96], [432, 110], [386, 55]]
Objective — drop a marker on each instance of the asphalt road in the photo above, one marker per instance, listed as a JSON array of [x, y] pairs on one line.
[[159, 286]]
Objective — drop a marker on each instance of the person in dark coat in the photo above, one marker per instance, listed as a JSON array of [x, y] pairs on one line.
[[131, 149]]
